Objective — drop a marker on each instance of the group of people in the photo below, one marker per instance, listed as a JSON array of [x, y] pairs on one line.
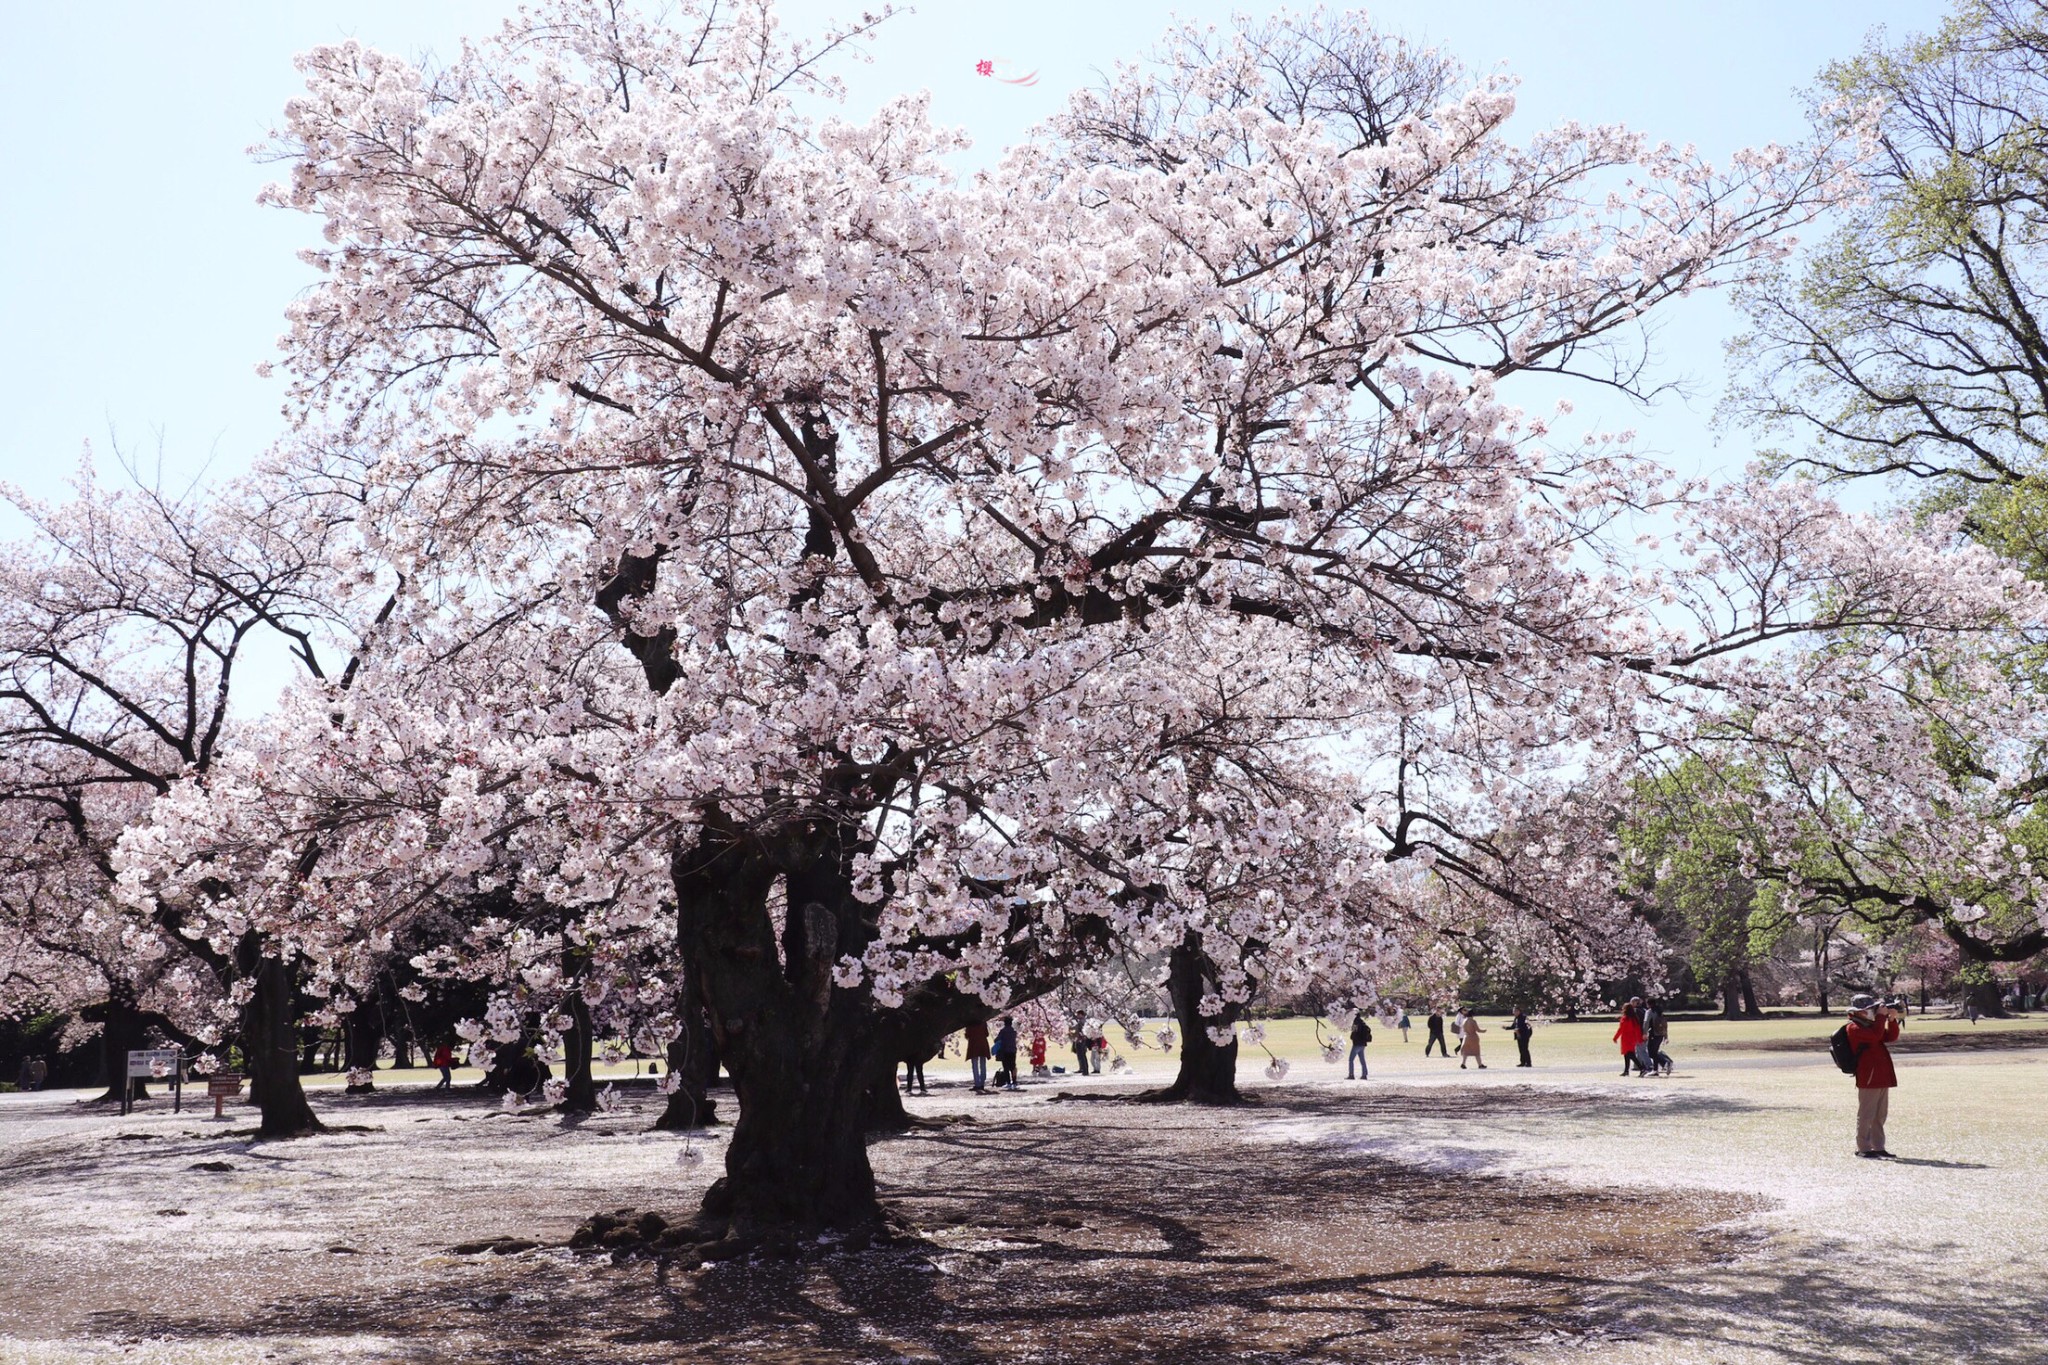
[[1091, 1055], [1642, 1032], [1466, 1025], [34, 1072]]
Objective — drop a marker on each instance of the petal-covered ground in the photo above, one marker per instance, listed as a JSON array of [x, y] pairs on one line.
[[1426, 1214]]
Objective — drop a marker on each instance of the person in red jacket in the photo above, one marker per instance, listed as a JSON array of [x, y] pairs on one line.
[[1629, 1033], [444, 1058], [1871, 1027], [977, 1056]]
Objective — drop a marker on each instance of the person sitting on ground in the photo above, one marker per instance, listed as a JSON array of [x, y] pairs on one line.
[[1872, 1028], [1469, 1050], [1629, 1033]]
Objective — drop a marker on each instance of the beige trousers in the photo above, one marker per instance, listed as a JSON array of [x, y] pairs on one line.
[[1871, 1108]]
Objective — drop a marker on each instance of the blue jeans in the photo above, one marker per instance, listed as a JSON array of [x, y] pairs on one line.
[[1357, 1058], [980, 1065]]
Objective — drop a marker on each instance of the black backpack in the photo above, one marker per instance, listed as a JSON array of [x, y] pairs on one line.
[[1841, 1051]]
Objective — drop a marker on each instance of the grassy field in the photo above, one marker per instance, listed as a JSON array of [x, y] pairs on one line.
[[1575, 1047]]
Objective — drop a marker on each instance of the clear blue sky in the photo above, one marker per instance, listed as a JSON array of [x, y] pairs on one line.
[[140, 284]]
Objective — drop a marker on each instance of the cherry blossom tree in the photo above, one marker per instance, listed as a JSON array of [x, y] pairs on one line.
[[126, 621], [1889, 775], [910, 588]]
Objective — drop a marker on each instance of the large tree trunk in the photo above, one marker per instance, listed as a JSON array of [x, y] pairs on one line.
[[1820, 967], [1987, 996], [884, 1108], [270, 1037], [693, 1061], [362, 1040], [1731, 998], [803, 1053], [1749, 1005], [581, 1096], [121, 1032], [1208, 1073]]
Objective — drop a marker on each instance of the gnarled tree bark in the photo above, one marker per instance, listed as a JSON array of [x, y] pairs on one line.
[[1208, 1073]]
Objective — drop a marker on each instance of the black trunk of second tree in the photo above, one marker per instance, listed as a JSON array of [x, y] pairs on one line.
[[581, 1095], [270, 1042], [693, 1062], [1208, 1072], [121, 1032]]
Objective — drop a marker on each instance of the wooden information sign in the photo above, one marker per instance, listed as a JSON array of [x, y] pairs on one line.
[[221, 1088]]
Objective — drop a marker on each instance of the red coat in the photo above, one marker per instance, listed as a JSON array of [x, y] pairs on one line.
[[1630, 1033], [443, 1055], [1873, 1058], [977, 1040]]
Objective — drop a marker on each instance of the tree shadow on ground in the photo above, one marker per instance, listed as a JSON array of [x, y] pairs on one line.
[[1123, 1234], [1836, 1303]]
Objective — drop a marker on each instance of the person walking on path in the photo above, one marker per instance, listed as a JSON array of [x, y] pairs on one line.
[[1629, 1033], [1871, 1029], [1361, 1034], [444, 1058], [1469, 1049], [1436, 1032], [1403, 1026], [1656, 1030], [1522, 1030], [1005, 1049], [977, 1056]]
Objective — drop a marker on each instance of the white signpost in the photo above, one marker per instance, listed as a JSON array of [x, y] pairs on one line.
[[161, 1064]]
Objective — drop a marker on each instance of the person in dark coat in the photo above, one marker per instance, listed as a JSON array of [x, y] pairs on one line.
[[1656, 1032], [1522, 1030], [913, 1072], [1436, 1033], [1083, 1047], [1005, 1049], [1361, 1034]]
